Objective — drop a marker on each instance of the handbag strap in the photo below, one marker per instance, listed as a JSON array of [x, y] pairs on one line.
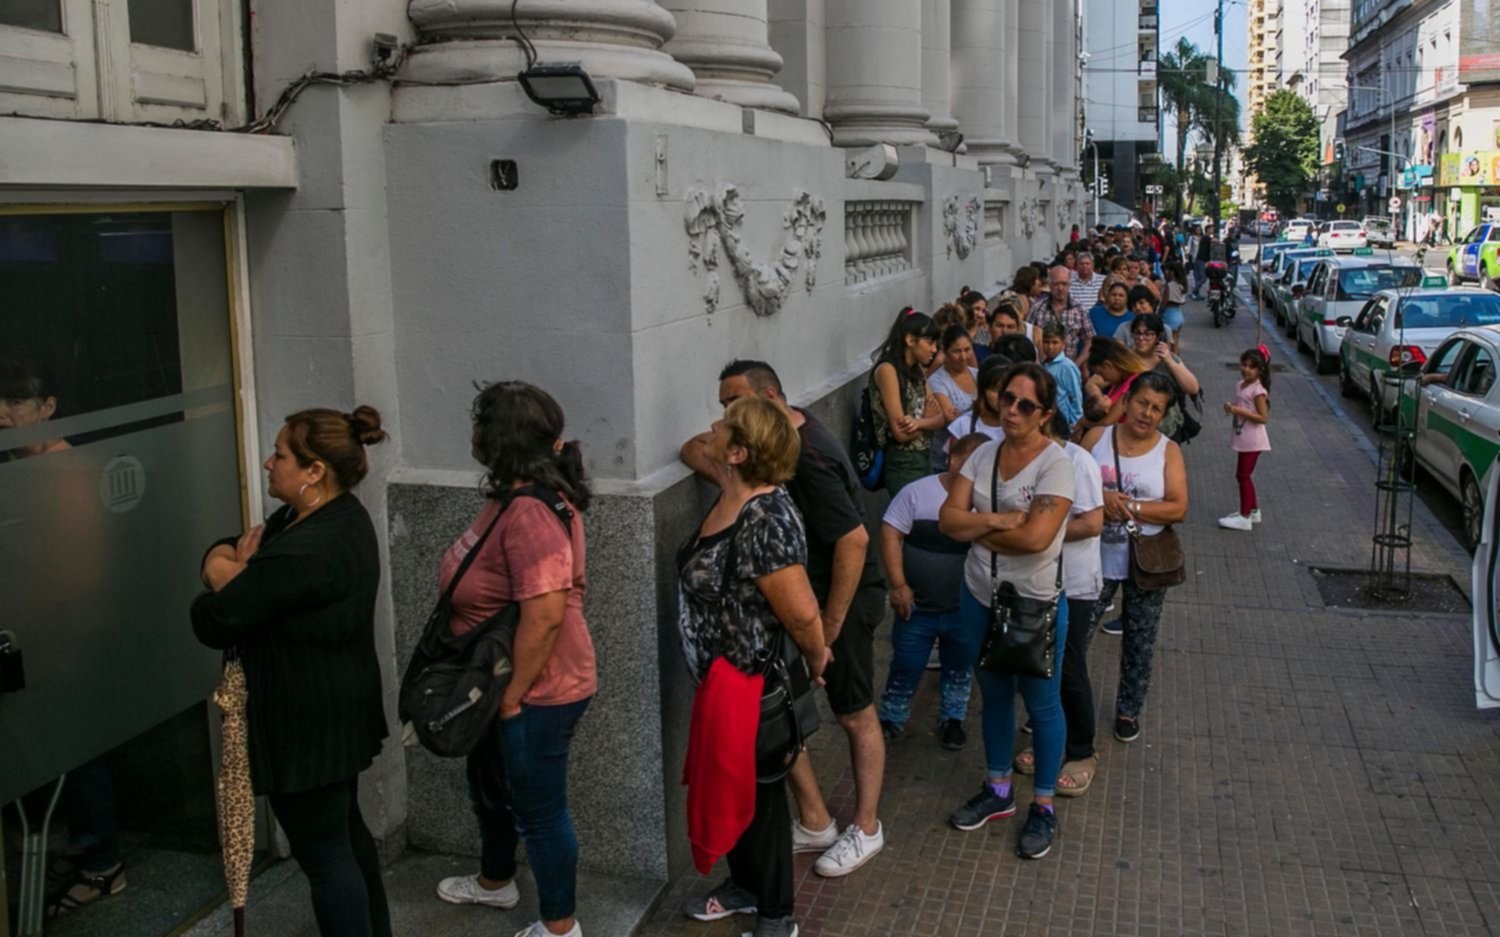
[[559, 508], [994, 499]]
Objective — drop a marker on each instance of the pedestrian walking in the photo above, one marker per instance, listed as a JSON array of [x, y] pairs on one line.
[[926, 571], [1172, 300], [1083, 580], [518, 773], [294, 600], [903, 407], [744, 589], [851, 594], [1145, 489], [1011, 503], [1249, 412], [953, 386]]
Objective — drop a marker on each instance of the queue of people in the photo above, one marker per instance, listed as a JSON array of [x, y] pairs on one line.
[[1025, 484]]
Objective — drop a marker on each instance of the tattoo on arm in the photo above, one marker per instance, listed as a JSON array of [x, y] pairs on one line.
[[1044, 502]]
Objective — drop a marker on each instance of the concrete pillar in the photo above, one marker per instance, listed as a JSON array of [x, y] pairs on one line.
[[937, 64], [874, 80], [725, 43], [609, 38], [982, 65], [1034, 103], [796, 33], [1064, 86]]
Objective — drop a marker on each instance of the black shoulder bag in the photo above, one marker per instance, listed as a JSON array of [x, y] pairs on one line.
[[1022, 636], [788, 706], [451, 689]]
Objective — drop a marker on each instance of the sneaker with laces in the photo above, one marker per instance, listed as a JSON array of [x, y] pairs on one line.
[[538, 929], [720, 903], [1255, 516], [1115, 626], [952, 734], [982, 808], [465, 889], [1036, 835], [805, 840], [852, 850], [1127, 729], [1235, 521], [774, 927]]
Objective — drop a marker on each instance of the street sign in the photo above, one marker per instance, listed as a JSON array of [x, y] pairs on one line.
[[1339, 208], [1395, 203], [1153, 190]]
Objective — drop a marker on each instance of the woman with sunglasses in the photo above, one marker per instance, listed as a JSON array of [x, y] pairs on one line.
[[1153, 494], [1011, 503]]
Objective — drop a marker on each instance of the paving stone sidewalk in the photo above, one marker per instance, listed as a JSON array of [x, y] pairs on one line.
[[1303, 770]]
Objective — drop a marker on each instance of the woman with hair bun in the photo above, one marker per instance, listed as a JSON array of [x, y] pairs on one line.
[[294, 599], [527, 554]]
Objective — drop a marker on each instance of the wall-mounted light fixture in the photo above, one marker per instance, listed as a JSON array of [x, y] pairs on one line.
[[562, 89]]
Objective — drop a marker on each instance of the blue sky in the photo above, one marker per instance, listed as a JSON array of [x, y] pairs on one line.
[[1194, 20]]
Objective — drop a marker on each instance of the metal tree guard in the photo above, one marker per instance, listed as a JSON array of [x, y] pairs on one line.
[[1395, 476]]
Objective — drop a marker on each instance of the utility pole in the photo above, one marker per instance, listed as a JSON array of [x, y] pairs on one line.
[[1218, 98]]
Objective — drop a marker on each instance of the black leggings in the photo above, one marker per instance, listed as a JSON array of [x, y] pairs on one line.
[[335, 850]]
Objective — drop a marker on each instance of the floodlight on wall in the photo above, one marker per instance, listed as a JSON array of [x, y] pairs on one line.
[[561, 89]]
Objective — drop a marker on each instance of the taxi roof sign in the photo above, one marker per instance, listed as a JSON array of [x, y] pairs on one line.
[[1364, 252], [1434, 281], [1326, 252]]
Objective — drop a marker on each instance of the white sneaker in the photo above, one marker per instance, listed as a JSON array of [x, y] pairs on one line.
[[934, 661], [805, 840], [1235, 522], [465, 889], [1255, 516], [538, 929], [852, 850]]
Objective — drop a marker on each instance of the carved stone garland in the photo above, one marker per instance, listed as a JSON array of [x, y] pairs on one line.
[[961, 224], [712, 221], [1030, 215]]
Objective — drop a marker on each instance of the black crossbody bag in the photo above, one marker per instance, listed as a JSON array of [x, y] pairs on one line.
[[1022, 636]]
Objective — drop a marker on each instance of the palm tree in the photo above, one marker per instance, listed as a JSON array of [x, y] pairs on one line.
[[1218, 114], [1180, 77]]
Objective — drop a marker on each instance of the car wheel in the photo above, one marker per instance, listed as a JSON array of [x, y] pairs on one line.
[[1453, 278], [1301, 345], [1485, 280], [1377, 417], [1291, 325], [1321, 362], [1346, 383], [1473, 504]]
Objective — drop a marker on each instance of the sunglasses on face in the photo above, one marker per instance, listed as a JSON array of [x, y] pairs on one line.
[[1026, 408]]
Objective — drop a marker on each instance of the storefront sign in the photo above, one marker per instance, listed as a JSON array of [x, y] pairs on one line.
[[1474, 168]]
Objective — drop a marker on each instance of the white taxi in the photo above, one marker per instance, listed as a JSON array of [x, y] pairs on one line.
[[1338, 287], [1344, 236]]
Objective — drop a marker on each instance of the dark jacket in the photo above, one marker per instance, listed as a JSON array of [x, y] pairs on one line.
[[302, 617]]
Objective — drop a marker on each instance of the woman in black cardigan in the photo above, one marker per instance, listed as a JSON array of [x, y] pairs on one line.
[[295, 598]]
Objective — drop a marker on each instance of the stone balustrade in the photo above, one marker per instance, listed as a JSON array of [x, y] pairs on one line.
[[877, 240]]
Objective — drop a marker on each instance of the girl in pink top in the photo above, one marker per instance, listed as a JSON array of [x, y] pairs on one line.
[[1250, 411]]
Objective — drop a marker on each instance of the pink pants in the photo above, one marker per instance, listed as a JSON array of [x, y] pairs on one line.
[[1243, 469]]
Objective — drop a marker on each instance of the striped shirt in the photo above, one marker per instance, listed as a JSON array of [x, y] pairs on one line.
[[1086, 294]]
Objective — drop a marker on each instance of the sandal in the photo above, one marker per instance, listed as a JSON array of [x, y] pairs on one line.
[[85, 889], [1077, 776], [1025, 762]]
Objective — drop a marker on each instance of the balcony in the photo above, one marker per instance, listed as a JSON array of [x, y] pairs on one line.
[[1148, 115], [1148, 21]]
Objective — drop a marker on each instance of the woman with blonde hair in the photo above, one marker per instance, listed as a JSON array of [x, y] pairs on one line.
[[1113, 367], [744, 590]]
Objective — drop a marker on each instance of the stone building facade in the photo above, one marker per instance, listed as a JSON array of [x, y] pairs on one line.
[[760, 178]]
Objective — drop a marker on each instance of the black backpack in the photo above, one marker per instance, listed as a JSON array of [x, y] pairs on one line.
[[451, 690], [864, 451], [1192, 425]]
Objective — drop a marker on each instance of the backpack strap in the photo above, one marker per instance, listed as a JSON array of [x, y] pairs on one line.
[[552, 499]]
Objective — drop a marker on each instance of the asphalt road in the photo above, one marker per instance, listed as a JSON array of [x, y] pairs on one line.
[[1443, 506]]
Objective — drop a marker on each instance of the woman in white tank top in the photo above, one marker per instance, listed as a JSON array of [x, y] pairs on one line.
[[1149, 488]]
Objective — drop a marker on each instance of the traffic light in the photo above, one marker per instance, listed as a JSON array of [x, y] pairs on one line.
[[1338, 151]]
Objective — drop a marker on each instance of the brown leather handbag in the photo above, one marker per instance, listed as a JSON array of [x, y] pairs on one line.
[[1156, 560]]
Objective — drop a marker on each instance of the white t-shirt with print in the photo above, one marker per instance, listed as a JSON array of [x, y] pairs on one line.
[[1083, 574], [1034, 575]]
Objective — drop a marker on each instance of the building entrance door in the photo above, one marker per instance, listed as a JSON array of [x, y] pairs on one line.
[[120, 462]]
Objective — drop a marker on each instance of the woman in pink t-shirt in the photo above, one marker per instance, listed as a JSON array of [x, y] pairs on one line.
[[518, 775], [1251, 411]]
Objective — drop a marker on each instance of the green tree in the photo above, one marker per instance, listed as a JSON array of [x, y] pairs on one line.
[[1218, 115], [1182, 78], [1283, 150]]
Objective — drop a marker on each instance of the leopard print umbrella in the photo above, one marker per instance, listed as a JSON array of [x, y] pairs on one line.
[[236, 800]]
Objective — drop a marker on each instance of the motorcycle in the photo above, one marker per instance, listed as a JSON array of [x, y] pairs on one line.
[[1220, 292]]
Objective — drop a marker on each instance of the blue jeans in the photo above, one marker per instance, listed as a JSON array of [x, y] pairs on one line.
[[1043, 699], [518, 786], [911, 645]]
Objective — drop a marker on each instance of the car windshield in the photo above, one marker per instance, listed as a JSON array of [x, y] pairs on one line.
[[1345, 226], [1364, 282], [1449, 311], [1377, 225]]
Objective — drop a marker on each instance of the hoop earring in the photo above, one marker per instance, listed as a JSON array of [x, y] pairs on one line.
[[309, 507]]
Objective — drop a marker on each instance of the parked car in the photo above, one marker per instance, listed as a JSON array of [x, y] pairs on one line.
[[1265, 260], [1454, 410], [1476, 257], [1485, 622], [1399, 331], [1286, 288], [1340, 287], [1343, 236], [1378, 231]]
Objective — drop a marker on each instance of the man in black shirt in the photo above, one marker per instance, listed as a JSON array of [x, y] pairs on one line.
[[850, 591]]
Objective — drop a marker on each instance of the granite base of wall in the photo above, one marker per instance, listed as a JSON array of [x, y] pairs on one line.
[[624, 786]]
